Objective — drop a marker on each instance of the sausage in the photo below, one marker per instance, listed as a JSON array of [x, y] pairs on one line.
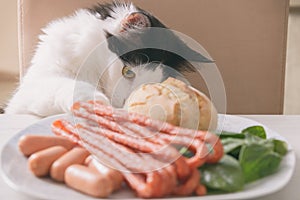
[[88, 160], [76, 155], [88, 181], [29, 144], [201, 190], [115, 176], [40, 162]]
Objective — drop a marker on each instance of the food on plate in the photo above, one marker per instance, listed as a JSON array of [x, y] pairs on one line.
[[224, 176], [29, 144], [76, 155], [154, 158], [115, 176], [250, 156], [85, 173], [174, 102], [88, 181], [40, 162], [150, 165]]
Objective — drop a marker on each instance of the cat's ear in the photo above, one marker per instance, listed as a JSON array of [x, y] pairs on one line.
[[135, 20]]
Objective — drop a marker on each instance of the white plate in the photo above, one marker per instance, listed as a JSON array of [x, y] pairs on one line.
[[17, 175]]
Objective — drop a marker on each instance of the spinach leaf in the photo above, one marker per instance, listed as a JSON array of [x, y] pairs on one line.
[[235, 153], [258, 131], [226, 134], [227, 175], [256, 157], [186, 152], [230, 144], [280, 147], [258, 160]]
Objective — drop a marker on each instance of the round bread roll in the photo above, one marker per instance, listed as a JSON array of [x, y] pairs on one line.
[[174, 102]]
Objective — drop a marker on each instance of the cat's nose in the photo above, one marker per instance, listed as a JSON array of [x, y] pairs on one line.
[[135, 20]]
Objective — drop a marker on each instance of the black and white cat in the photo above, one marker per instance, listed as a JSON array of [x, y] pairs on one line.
[[93, 54]]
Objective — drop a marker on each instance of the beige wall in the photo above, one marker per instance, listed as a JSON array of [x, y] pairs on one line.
[[292, 83], [295, 2], [8, 36], [9, 70], [9, 56]]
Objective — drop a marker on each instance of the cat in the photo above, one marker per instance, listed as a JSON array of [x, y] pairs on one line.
[[93, 54]]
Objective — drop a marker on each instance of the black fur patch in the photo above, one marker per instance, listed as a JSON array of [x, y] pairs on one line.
[[104, 10], [123, 46]]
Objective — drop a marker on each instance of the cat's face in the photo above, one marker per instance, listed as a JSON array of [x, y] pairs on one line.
[[130, 31]]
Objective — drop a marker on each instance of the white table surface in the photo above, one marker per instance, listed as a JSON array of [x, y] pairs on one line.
[[287, 126]]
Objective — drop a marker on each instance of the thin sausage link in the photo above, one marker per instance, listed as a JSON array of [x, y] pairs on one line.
[[151, 187], [122, 138], [123, 116]]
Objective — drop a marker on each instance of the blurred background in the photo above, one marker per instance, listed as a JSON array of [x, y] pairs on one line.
[[9, 72], [8, 49]]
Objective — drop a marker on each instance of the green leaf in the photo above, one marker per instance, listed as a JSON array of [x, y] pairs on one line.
[[226, 175], [258, 131], [235, 153], [256, 157], [280, 147], [230, 144], [226, 134], [258, 160], [186, 152]]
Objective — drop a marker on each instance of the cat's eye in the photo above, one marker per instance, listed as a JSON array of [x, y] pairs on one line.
[[127, 72]]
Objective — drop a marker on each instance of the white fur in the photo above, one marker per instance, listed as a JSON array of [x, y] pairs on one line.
[[60, 74]]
